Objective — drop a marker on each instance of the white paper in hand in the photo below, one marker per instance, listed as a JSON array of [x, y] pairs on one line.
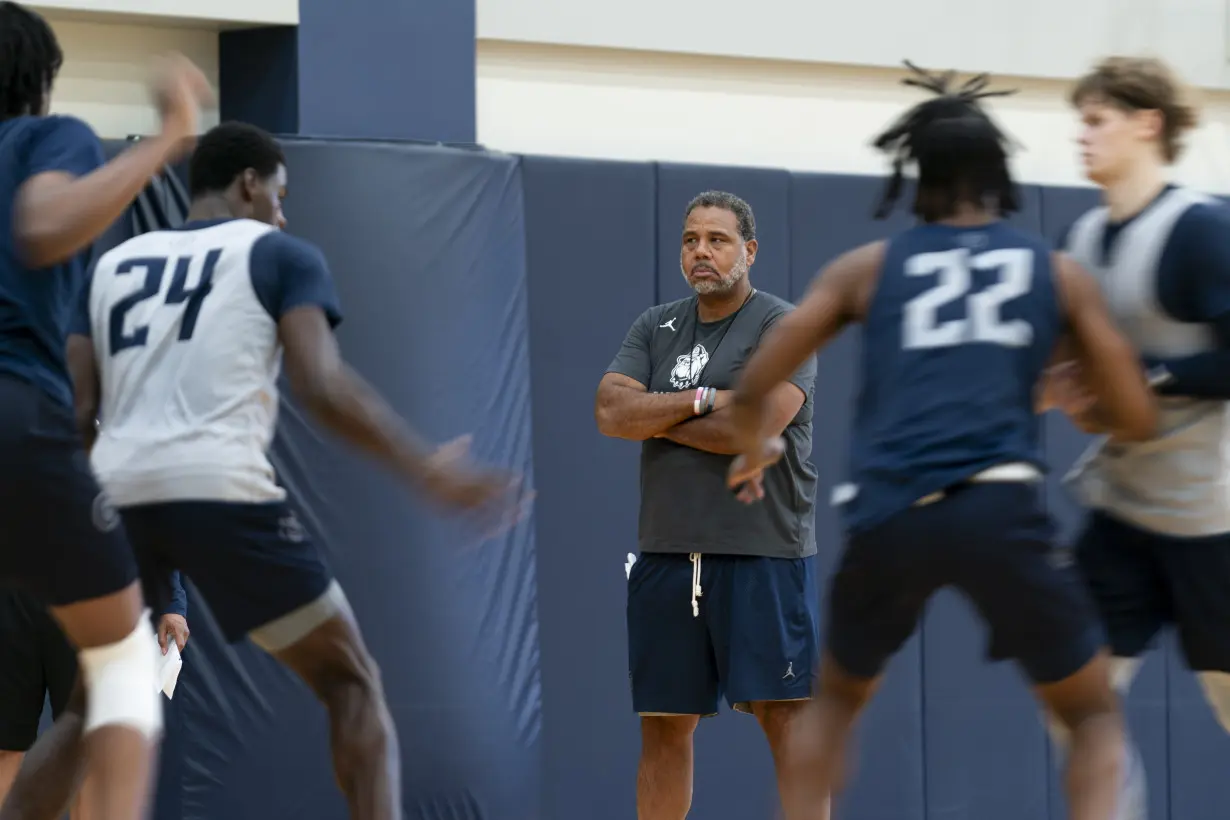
[[168, 669], [628, 566]]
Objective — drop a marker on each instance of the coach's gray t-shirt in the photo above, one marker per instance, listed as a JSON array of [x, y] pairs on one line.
[[685, 504]]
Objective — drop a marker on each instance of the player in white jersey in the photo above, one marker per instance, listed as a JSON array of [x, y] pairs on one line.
[[183, 333], [1155, 549]]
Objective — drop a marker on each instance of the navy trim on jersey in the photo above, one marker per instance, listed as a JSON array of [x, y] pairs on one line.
[[1193, 285], [288, 273]]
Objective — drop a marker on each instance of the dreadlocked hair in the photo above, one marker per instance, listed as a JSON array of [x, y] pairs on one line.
[[30, 58], [961, 155]]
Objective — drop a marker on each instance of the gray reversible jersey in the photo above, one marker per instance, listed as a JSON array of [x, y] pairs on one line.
[[685, 504], [1177, 483]]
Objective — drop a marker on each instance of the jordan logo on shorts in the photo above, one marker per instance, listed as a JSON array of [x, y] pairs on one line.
[[789, 671]]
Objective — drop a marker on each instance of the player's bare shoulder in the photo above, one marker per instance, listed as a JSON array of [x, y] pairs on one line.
[[852, 277]]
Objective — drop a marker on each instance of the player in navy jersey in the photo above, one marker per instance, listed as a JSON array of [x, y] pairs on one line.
[[960, 315], [62, 540], [177, 348]]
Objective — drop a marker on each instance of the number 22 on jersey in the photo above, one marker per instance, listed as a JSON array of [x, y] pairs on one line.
[[154, 269], [982, 323]]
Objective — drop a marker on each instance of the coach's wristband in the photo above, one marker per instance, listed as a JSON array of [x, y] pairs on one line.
[[711, 401], [698, 403]]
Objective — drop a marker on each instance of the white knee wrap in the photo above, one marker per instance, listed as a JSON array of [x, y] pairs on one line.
[[1216, 687], [119, 681]]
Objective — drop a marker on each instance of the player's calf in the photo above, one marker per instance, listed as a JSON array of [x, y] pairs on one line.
[[787, 725], [121, 717], [1085, 704], [335, 664], [1133, 790], [820, 746]]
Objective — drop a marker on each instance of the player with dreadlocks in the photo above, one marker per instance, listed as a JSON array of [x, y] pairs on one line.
[[961, 315], [62, 543]]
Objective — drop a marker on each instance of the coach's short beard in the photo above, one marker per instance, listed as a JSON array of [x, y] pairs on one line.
[[723, 284]]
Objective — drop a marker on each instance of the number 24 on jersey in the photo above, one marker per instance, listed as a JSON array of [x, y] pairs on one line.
[[155, 269]]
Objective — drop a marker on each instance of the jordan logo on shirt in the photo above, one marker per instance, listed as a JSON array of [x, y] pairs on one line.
[[688, 368], [670, 324]]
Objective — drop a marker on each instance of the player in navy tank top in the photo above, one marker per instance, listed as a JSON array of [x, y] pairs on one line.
[[62, 541], [961, 316]]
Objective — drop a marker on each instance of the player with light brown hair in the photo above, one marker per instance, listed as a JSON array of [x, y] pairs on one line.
[[1155, 546]]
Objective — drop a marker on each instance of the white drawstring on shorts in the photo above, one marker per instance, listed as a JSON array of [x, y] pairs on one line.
[[696, 590]]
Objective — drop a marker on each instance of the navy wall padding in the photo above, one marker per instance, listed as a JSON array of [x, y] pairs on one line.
[[258, 76], [1198, 745], [380, 69], [590, 249], [830, 214], [487, 293]]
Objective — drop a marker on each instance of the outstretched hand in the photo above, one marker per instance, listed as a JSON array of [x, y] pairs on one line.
[[180, 91], [746, 474], [497, 496], [1064, 389]]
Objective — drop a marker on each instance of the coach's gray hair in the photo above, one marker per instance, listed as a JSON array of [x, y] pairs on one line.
[[727, 202]]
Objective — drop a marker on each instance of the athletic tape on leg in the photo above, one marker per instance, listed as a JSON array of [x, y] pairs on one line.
[[117, 679]]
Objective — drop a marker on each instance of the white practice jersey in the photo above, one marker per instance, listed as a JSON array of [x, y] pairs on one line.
[[1163, 274], [185, 332]]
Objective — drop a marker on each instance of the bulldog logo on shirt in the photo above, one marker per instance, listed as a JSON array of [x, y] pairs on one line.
[[688, 368]]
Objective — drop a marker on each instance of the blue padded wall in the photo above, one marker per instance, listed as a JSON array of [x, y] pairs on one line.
[[590, 250], [830, 214]]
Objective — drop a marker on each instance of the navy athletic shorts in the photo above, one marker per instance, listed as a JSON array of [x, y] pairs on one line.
[[37, 663], [252, 563], [62, 541], [1143, 581], [755, 638], [994, 543]]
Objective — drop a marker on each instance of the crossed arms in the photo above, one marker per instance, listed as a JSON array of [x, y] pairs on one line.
[[626, 409]]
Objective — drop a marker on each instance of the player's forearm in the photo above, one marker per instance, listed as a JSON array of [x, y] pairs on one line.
[[714, 433], [348, 407], [622, 412], [55, 222], [784, 351], [1203, 376]]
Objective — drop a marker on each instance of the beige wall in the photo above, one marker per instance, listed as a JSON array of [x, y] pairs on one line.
[[105, 69]]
